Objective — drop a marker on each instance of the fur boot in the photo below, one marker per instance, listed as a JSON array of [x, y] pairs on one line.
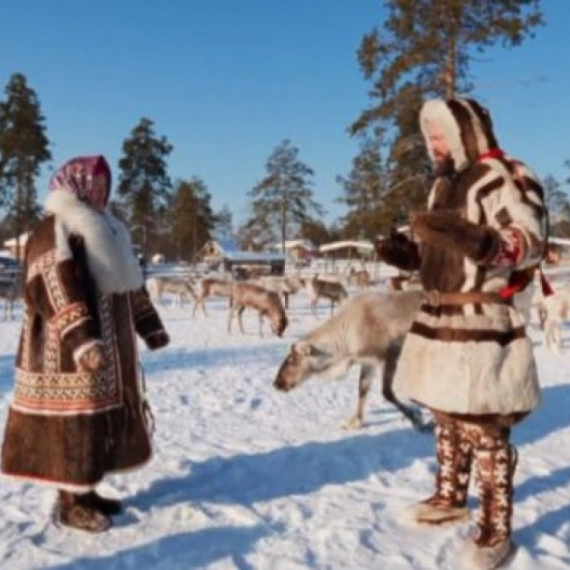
[[102, 504], [73, 512], [448, 504], [492, 544]]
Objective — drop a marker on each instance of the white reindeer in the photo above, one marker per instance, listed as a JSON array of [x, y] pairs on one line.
[[266, 303], [367, 331], [322, 288], [556, 309]]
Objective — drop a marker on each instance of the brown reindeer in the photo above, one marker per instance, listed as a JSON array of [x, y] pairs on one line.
[[211, 287], [367, 331], [360, 278], [404, 283], [266, 303], [320, 288], [284, 285]]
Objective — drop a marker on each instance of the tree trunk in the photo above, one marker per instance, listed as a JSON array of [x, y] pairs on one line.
[[450, 69], [283, 226]]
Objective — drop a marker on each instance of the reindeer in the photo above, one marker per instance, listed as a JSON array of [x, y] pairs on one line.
[[266, 303], [317, 288], [158, 286], [360, 278], [367, 331], [10, 291], [211, 287], [556, 309], [285, 286], [404, 283]]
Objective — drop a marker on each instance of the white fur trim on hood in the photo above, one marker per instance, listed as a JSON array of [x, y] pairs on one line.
[[109, 251], [445, 114], [437, 112]]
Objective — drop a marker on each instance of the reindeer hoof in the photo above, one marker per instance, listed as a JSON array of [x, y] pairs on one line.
[[352, 424], [428, 427], [419, 424]]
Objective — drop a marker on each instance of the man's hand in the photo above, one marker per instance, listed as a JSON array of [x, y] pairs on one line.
[[92, 360]]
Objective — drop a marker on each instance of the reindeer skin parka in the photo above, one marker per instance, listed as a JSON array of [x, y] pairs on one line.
[[475, 359], [82, 286]]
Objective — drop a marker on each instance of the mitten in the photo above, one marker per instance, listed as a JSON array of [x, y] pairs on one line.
[[447, 230], [157, 340], [92, 359], [398, 250]]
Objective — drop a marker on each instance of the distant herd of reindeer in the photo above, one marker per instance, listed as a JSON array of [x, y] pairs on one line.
[[367, 330], [268, 295]]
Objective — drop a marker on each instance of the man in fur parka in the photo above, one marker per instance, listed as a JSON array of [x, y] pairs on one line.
[[78, 409], [467, 356]]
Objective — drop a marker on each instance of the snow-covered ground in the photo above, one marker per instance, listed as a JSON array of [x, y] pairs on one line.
[[250, 478]]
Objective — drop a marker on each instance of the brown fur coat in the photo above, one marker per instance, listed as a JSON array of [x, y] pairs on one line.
[[82, 286]]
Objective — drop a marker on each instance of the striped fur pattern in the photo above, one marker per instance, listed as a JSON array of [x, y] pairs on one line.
[[476, 358]]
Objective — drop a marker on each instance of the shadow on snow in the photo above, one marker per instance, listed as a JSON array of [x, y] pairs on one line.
[[250, 478], [213, 357], [548, 418], [6, 373], [196, 549]]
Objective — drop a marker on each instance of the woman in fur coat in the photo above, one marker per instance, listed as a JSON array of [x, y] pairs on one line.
[[467, 356], [78, 409]]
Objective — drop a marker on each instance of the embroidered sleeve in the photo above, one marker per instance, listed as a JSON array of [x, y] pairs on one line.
[[147, 321]]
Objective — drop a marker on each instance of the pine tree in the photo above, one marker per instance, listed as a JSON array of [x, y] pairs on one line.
[[364, 193], [558, 205], [191, 219], [317, 232], [223, 226], [24, 147], [425, 49], [283, 199], [144, 184]]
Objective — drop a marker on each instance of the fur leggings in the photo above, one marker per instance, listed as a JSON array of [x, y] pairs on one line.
[[484, 445]]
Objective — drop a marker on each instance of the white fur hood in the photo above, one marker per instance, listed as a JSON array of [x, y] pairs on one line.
[[110, 256], [466, 127]]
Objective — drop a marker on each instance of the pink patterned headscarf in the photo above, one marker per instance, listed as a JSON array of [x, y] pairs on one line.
[[77, 175]]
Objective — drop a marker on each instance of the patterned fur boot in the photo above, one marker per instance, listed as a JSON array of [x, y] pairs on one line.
[[74, 513], [492, 545], [447, 505]]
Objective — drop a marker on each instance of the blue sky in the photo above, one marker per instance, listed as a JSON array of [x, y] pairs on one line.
[[226, 81]]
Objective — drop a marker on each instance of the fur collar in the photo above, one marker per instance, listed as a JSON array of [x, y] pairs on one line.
[[110, 256]]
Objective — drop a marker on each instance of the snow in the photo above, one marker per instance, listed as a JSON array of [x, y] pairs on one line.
[[247, 477]]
